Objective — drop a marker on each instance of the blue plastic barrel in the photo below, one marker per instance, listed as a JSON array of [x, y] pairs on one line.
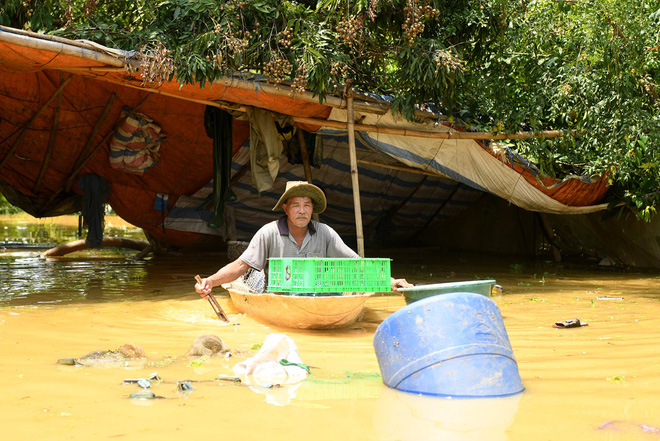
[[452, 345]]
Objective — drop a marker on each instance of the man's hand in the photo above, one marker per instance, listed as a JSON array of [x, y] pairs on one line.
[[203, 287], [400, 283]]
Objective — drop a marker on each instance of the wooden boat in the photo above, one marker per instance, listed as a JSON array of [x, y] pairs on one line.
[[301, 312]]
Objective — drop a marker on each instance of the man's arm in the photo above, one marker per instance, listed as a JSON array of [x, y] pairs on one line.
[[400, 283], [227, 273]]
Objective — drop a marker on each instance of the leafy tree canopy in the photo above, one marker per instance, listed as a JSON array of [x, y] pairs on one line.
[[589, 67]]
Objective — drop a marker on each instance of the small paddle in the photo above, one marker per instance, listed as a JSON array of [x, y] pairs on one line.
[[214, 303]]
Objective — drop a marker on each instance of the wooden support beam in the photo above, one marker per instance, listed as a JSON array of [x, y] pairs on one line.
[[350, 123], [430, 133], [550, 235], [304, 155], [401, 167]]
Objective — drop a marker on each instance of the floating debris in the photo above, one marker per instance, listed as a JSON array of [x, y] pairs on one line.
[[124, 356], [229, 378], [285, 362], [572, 323], [131, 380], [184, 386], [144, 382], [144, 394], [207, 344], [68, 362]]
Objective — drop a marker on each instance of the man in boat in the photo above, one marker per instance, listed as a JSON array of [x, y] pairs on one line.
[[294, 235]]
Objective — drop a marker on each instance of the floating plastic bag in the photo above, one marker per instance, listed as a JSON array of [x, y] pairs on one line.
[[265, 373], [265, 367]]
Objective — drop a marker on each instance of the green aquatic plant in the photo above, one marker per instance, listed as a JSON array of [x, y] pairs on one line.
[[198, 362], [616, 379], [517, 267]]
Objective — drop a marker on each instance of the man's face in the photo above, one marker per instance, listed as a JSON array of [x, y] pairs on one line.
[[299, 210]]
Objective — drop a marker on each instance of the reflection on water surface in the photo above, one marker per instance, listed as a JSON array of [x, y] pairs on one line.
[[592, 383]]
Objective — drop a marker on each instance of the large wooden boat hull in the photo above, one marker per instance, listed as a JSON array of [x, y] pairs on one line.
[[301, 312]]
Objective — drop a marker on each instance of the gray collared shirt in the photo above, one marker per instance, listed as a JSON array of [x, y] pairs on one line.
[[275, 240]]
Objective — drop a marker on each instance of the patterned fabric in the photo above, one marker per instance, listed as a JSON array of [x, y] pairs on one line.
[[252, 281], [135, 143]]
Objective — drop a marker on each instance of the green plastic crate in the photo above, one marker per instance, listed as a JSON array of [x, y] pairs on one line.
[[315, 275]]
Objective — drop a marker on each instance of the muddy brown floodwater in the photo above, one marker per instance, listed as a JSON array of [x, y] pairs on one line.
[[599, 382]]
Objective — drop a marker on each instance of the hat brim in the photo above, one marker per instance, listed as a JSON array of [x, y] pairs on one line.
[[309, 190]]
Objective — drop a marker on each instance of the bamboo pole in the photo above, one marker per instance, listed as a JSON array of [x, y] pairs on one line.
[[350, 123], [64, 48], [550, 234], [373, 107], [428, 134], [29, 123], [54, 38], [400, 167], [304, 155], [51, 143]]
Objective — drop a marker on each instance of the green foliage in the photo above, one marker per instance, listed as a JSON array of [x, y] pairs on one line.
[[405, 48], [588, 68], [6, 207]]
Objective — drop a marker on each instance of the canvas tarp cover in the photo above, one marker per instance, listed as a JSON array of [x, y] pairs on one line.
[[468, 162], [31, 69]]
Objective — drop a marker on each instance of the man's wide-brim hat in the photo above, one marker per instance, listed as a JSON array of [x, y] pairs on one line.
[[303, 188]]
